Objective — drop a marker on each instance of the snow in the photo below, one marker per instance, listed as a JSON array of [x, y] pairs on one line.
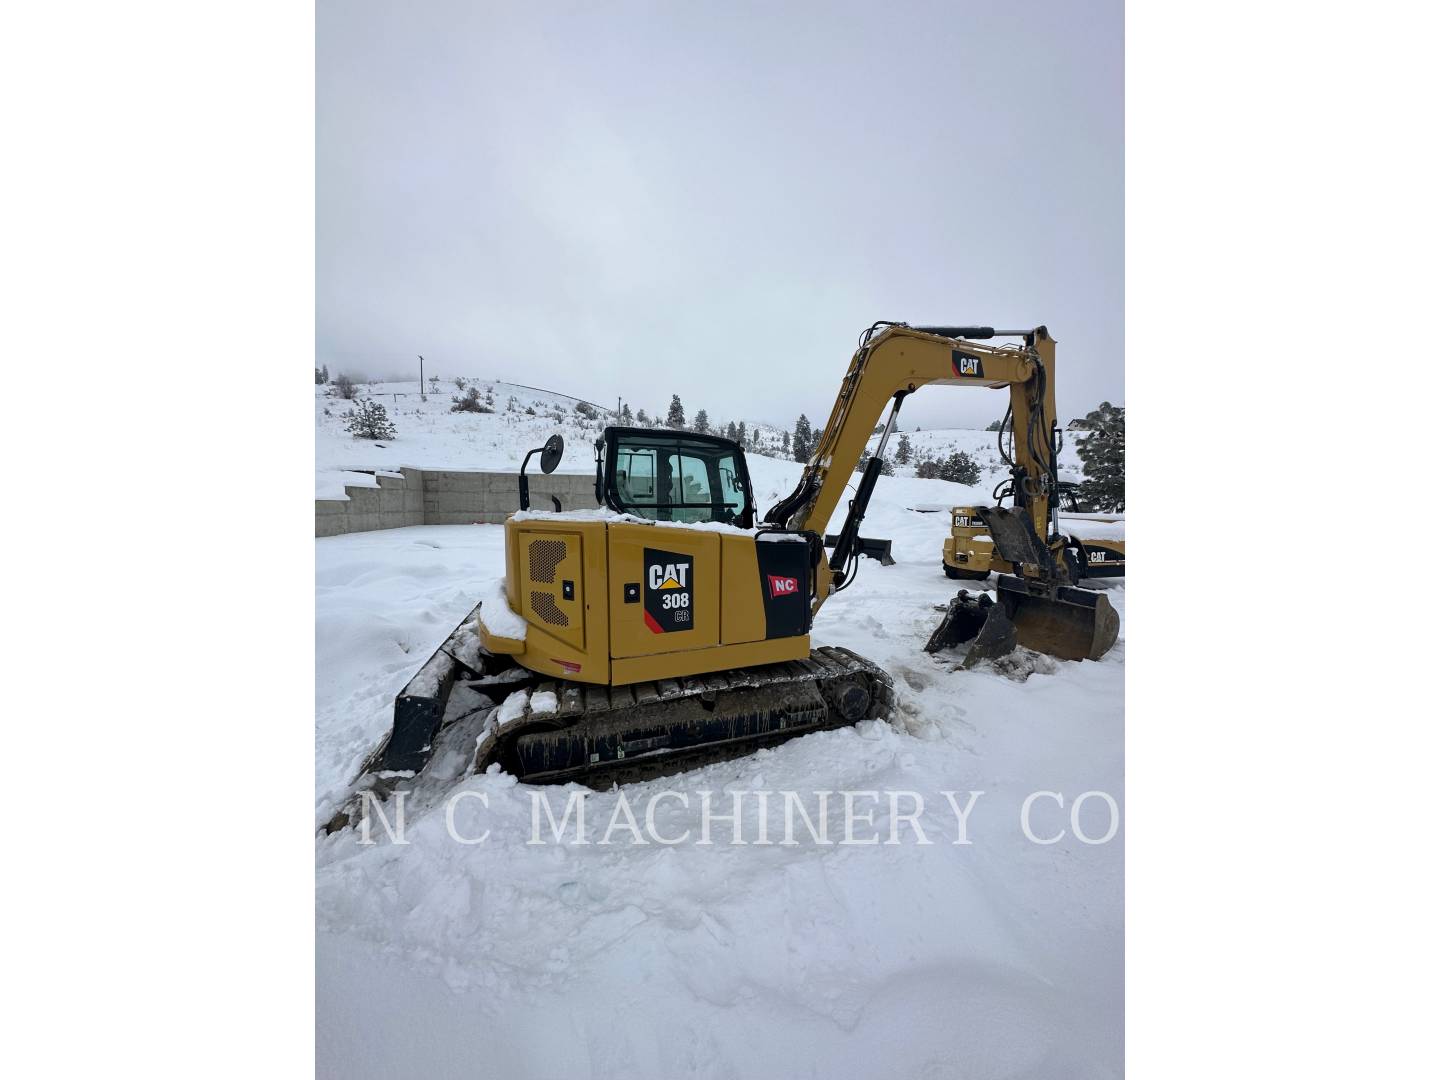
[[612, 517], [1087, 528], [1001, 957], [512, 708], [496, 614], [546, 701]]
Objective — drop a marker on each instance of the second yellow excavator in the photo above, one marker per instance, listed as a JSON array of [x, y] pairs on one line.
[[667, 628]]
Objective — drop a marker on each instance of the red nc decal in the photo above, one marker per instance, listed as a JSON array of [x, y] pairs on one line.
[[783, 586]]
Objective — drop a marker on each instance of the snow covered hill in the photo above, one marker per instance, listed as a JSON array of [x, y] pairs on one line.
[[430, 436], [1000, 957]]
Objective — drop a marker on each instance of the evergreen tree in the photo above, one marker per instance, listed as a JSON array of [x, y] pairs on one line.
[[642, 419], [676, 417], [785, 441], [801, 442], [702, 422], [740, 435], [902, 452], [1103, 452], [958, 468], [368, 421], [319, 379], [730, 432], [325, 372], [627, 418]]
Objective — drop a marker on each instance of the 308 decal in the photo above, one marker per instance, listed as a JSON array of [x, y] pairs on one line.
[[668, 585]]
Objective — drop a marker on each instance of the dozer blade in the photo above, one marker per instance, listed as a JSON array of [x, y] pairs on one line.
[[420, 706], [1061, 621]]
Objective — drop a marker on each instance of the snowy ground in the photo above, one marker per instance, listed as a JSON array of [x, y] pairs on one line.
[[995, 959]]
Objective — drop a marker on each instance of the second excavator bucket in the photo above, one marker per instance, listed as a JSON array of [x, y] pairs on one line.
[[979, 621]]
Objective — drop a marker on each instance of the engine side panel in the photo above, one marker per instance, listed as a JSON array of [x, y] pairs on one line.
[[555, 580]]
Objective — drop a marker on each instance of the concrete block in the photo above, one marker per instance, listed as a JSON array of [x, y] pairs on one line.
[[332, 524], [461, 502], [363, 499], [460, 481], [332, 506]]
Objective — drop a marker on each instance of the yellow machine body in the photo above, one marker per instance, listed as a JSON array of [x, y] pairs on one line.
[[969, 552], [622, 602]]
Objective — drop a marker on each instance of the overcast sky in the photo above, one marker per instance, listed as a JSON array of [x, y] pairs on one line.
[[714, 199]]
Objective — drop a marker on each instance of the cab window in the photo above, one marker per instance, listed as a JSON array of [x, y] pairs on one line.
[[677, 476]]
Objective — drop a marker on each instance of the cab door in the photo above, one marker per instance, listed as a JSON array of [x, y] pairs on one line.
[[664, 589]]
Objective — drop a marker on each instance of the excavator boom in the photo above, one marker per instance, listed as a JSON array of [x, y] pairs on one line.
[[892, 362]]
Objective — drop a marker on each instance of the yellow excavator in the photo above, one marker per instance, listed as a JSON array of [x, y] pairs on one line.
[[667, 628], [1093, 543]]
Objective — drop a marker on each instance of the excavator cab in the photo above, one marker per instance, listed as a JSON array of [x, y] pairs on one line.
[[675, 476]]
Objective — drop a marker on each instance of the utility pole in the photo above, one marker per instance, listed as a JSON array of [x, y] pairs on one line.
[[617, 407], [422, 377]]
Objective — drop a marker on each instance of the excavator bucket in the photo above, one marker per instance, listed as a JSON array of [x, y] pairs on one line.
[[1062, 621], [979, 621], [1042, 612]]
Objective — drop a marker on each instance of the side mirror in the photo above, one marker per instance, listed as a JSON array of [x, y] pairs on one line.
[[550, 455]]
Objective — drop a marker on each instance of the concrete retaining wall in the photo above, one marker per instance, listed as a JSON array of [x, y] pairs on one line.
[[447, 497]]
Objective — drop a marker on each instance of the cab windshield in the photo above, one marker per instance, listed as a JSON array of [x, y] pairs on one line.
[[675, 476]]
